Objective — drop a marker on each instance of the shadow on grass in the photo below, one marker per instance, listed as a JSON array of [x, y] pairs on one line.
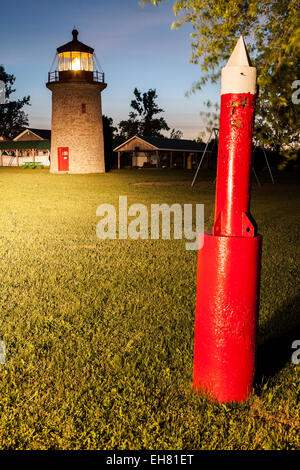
[[276, 352]]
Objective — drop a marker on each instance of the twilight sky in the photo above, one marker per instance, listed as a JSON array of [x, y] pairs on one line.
[[135, 47]]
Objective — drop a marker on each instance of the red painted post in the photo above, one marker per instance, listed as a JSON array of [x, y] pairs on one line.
[[229, 262]]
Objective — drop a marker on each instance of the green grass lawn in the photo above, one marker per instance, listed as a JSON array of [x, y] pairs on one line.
[[99, 333]]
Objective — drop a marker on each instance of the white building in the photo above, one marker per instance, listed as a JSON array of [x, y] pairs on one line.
[[30, 146]]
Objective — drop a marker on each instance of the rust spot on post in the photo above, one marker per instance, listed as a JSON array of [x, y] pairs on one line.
[[234, 104], [237, 123]]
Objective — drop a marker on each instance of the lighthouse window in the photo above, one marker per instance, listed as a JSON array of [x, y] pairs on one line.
[[74, 60], [64, 61], [67, 60], [84, 61], [60, 62], [75, 63], [91, 62], [83, 108]]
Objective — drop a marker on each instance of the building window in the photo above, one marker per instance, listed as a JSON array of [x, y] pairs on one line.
[[91, 64], [67, 60], [84, 61], [75, 60], [83, 108]]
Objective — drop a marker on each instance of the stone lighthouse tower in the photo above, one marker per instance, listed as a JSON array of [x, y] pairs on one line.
[[77, 144]]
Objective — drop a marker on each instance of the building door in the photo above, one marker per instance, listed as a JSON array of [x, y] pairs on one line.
[[63, 158]]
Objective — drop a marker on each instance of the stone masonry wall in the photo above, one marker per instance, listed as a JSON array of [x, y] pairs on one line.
[[81, 132]]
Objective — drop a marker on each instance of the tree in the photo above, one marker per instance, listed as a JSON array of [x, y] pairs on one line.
[[110, 140], [12, 116], [143, 120], [130, 127], [176, 134], [271, 30], [211, 119]]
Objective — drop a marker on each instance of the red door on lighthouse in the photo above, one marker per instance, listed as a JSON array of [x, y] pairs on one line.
[[63, 158]]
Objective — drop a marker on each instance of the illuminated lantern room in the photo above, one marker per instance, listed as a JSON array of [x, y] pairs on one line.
[[75, 61]]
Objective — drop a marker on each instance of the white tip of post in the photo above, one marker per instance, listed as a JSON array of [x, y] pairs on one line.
[[239, 55], [238, 76]]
